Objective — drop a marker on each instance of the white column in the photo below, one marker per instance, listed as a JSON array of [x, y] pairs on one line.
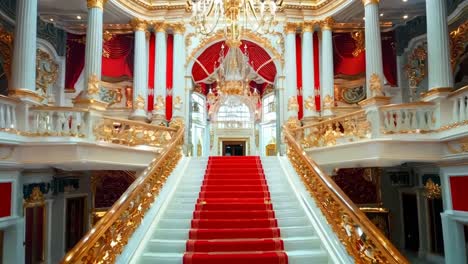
[[93, 58], [140, 86], [374, 66], [328, 75], [308, 83], [23, 71], [159, 112], [439, 67], [290, 72], [178, 73]]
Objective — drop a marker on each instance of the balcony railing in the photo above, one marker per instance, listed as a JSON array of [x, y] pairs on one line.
[[408, 118], [8, 113], [362, 240]]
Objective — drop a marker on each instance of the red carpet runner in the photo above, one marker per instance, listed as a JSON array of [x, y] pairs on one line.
[[234, 221]]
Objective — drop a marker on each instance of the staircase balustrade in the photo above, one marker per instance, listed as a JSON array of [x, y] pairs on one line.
[[362, 240], [459, 100], [106, 240]]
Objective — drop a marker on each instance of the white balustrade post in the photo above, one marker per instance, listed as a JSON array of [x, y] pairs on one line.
[[140, 96]]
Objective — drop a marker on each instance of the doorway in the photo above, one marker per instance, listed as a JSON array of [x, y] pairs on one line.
[[410, 221], [435, 223], [234, 148], [35, 234], [75, 221]]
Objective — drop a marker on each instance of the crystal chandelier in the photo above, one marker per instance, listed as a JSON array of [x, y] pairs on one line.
[[233, 16]]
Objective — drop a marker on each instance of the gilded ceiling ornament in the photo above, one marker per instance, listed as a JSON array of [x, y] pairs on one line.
[[140, 102], [309, 103], [46, 71], [328, 102], [139, 24], [93, 84], [375, 84], [433, 190], [293, 105], [36, 197], [96, 3], [327, 23], [177, 103], [159, 103], [359, 42], [458, 40]]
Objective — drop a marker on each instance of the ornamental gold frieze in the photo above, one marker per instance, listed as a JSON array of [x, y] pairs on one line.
[[108, 238], [361, 239], [327, 23], [144, 5]]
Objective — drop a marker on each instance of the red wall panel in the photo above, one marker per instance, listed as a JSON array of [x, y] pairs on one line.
[[459, 187], [5, 199]]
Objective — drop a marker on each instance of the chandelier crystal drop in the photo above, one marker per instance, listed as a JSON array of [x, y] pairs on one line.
[[233, 17]]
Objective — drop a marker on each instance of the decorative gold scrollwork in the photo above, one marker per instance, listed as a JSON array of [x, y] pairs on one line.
[[46, 71], [93, 84], [458, 40], [309, 103], [433, 190], [293, 105], [375, 83], [416, 67], [6, 50], [359, 42]]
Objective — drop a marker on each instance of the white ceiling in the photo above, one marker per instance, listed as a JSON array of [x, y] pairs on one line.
[[65, 12]]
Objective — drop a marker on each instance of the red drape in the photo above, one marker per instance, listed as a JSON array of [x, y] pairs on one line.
[[316, 70], [75, 60], [151, 64], [5, 197], [117, 57], [389, 57], [300, 113], [169, 77]]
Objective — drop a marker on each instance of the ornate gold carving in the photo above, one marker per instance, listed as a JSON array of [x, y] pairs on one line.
[[177, 122], [359, 41], [96, 3], [370, 2], [93, 84], [293, 105], [107, 239], [36, 197], [159, 26], [139, 24], [458, 40], [140, 102], [178, 28], [159, 103], [308, 26], [177, 103], [128, 97], [309, 103], [433, 190], [6, 50], [327, 23], [46, 71], [416, 67], [107, 36], [290, 27], [375, 84], [293, 123], [362, 240], [461, 146], [328, 102]]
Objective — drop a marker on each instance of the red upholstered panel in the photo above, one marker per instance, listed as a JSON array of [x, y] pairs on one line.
[[459, 187], [5, 199]]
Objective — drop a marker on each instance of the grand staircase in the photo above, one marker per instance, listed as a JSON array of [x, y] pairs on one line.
[[232, 210]]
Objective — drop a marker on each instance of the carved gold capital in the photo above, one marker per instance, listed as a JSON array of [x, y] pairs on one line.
[[178, 28], [139, 24], [370, 2], [290, 28], [308, 26], [96, 3], [327, 23], [159, 26]]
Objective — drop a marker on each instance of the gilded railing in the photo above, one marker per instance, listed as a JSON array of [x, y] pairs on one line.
[[106, 240], [362, 240], [347, 128], [131, 133]]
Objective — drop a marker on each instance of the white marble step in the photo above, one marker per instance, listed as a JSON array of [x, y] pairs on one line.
[[187, 214]]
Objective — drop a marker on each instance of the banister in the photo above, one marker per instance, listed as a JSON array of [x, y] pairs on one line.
[[362, 240], [106, 240], [331, 120]]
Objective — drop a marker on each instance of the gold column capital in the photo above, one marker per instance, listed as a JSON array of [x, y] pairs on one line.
[[370, 2], [96, 3], [139, 24], [178, 28], [327, 23], [308, 26], [290, 27], [159, 26]]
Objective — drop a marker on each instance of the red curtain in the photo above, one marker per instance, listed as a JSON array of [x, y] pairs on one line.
[[5, 197], [316, 70], [169, 77], [117, 56], [389, 57], [300, 113], [75, 60], [151, 62]]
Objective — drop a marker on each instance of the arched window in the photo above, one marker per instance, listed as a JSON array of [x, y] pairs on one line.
[[234, 114]]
